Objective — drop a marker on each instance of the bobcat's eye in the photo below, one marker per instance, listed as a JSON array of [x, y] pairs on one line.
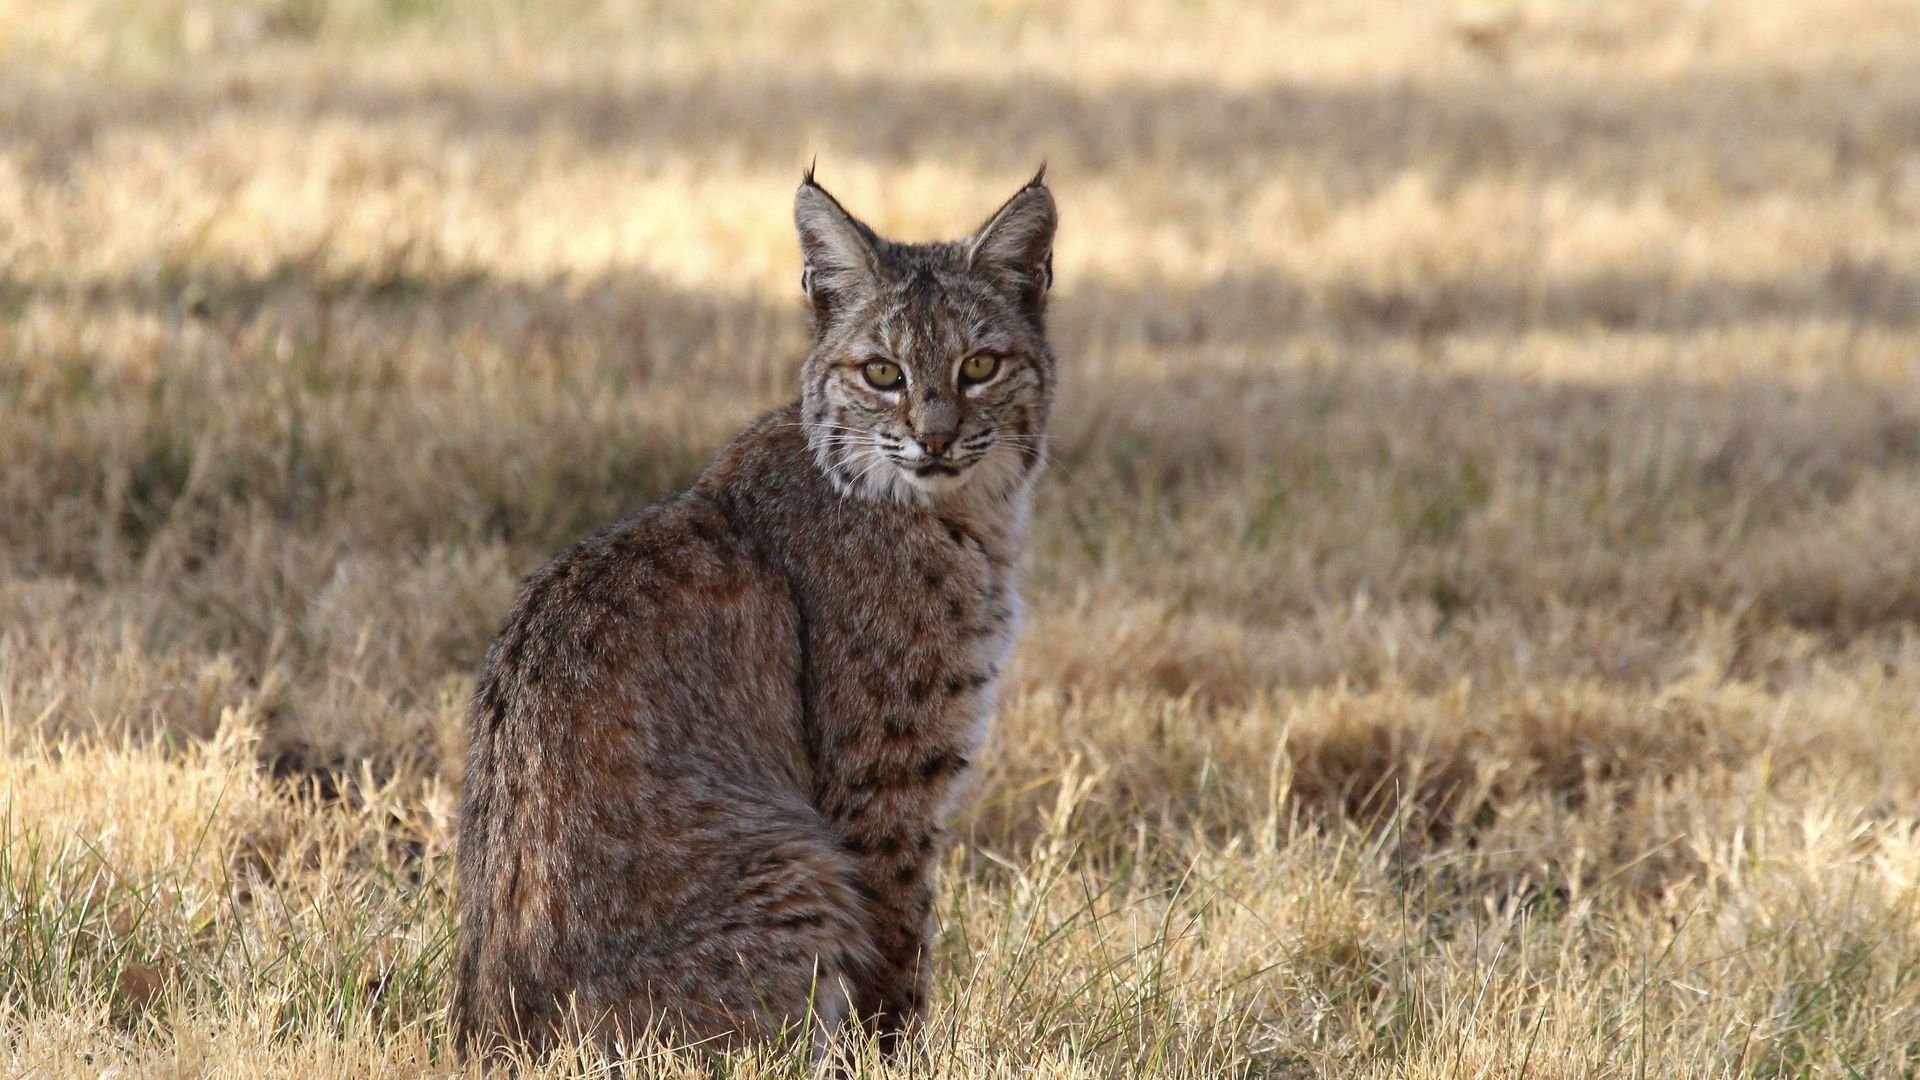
[[883, 374], [979, 367]]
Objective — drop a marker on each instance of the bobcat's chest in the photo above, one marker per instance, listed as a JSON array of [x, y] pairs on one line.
[[902, 667]]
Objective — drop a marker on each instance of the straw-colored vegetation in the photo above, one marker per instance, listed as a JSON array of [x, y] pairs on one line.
[[1474, 596]]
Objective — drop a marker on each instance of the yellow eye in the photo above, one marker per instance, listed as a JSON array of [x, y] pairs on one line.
[[979, 367], [883, 374]]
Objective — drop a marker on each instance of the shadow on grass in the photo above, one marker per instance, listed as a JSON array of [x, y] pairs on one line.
[[1733, 129], [395, 445], [658, 325]]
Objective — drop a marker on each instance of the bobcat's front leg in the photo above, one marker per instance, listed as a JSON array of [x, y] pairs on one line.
[[897, 879]]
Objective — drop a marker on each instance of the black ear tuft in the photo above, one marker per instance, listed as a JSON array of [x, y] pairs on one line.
[[1015, 246]]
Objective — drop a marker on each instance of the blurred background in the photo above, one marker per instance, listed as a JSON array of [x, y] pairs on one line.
[[1473, 595]]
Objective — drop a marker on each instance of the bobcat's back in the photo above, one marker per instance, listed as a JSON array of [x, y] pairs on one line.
[[635, 781]]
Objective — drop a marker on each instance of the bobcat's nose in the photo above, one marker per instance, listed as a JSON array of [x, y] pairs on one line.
[[935, 443]]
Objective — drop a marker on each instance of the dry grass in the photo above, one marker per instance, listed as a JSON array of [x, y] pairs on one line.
[[1474, 597]]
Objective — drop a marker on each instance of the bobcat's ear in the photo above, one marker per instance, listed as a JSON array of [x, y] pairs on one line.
[[837, 252], [1015, 246]]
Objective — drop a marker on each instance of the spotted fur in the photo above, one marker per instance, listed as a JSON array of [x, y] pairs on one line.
[[712, 751]]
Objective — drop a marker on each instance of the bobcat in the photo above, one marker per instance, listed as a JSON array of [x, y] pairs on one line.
[[713, 747]]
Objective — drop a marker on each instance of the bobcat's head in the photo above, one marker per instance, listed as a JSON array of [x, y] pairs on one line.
[[930, 373]]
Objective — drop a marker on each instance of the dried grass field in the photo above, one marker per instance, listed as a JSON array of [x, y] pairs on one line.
[[1474, 594]]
